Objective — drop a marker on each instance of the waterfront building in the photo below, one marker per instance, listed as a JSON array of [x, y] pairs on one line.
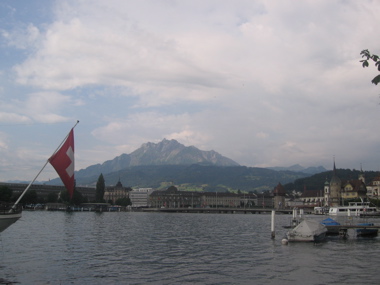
[[113, 193], [173, 198], [221, 199], [248, 200], [265, 200], [373, 188], [140, 197], [353, 189], [43, 190], [337, 190], [312, 198], [294, 203], [326, 191], [335, 187], [279, 197]]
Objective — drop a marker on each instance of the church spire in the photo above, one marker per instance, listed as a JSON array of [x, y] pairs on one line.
[[334, 169]]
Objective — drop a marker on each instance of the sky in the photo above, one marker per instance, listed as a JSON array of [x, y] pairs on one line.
[[265, 83]]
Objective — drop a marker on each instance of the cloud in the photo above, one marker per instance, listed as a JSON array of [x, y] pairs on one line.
[[265, 83], [13, 118], [270, 44], [38, 107], [21, 37]]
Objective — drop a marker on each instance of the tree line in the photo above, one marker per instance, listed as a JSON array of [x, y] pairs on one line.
[[31, 197]]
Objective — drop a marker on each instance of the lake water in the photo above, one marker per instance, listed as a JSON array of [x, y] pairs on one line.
[[164, 248]]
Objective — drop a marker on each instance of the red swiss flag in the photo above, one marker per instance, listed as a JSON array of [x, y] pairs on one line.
[[63, 163]]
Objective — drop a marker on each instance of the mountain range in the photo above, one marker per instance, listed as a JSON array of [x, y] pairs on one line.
[[166, 152], [299, 168], [157, 164]]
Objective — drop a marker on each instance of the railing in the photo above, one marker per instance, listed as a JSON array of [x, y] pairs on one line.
[[6, 209]]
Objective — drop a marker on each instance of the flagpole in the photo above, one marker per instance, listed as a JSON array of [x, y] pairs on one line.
[[47, 161]]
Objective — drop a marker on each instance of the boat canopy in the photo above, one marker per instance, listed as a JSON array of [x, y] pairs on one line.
[[309, 228], [330, 222]]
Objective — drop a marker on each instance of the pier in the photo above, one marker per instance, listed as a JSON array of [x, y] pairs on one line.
[[342, 230], [346, 227], [219, 210]]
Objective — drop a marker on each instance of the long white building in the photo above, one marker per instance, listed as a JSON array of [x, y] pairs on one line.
[[139, 197]]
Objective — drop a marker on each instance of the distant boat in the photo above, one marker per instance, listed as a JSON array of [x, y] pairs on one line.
[[331, 231], [8, 216], [366, 232], [353, 209], [307, 230]]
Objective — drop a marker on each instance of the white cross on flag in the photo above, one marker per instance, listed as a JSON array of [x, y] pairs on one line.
[[63, 163]]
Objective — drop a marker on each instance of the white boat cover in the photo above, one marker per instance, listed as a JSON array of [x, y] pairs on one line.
[[307, 230]]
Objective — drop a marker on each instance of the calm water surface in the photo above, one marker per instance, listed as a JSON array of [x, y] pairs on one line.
[[159, 248]]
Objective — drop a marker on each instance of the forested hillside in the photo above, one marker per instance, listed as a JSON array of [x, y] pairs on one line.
[[215, 178], [317, 181]]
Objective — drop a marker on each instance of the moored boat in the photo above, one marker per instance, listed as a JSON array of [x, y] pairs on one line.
[[8, 216], [353, 209], [307, 230], [366, 232], [331, 230]]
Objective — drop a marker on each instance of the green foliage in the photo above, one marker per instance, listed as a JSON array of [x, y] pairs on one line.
[[77, 198], [100, 188], [226, 177], [123, 202], [317, 181], [375, 202], [5, 194], [172, 188], [367, 55], [52, 197], [30, 197]]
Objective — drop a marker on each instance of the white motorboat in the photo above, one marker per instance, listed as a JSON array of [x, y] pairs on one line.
[[353, 209]]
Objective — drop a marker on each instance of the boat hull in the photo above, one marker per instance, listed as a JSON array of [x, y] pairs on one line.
[[365, 232], [312, 238], [8, 219], [9, 215]]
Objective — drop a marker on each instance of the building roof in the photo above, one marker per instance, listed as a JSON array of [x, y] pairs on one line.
[[357, 185], [279, 190], [312, 193], [335, 179]]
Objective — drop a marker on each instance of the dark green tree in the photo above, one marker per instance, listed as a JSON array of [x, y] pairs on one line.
[[100, 188], [367, 55], [123, 202], [5, 194], [172, 188], [30, 197], [77, 198], [52, 197]]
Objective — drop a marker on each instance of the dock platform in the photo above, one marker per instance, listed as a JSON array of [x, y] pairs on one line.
[[220, 210]]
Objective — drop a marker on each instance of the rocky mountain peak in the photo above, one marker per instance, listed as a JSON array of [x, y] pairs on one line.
[[166, 152]]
